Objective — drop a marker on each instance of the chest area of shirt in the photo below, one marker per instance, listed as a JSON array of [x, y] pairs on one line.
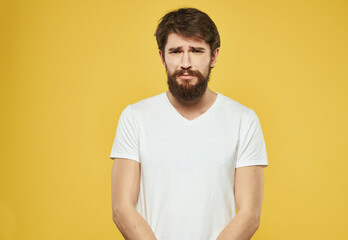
[[205, 146]]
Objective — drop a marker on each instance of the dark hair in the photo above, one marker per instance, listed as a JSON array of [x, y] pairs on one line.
[[189, 22]]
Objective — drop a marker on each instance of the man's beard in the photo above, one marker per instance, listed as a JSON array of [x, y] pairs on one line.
[[186, 91]]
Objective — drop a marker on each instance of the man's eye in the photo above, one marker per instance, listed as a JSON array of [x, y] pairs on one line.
[[175, 51], [197, 51]]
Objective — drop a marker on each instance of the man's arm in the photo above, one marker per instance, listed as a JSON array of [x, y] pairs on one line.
[[125, 184], [248, 191]]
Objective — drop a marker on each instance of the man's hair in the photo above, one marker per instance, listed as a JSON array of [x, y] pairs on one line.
[[188, 22]]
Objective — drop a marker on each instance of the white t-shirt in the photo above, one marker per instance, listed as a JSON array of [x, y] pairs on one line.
[[188, 166]]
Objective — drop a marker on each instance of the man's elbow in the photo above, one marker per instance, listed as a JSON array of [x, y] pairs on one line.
[[120, 211], [253, 220], [115, 214], [256, 221]]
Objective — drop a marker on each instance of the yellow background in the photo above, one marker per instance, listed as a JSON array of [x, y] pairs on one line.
[[68, 69]]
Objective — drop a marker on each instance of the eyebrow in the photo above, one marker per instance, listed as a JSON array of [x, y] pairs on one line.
[[179, 48]]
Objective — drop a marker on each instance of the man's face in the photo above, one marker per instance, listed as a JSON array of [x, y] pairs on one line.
[[188, 63]]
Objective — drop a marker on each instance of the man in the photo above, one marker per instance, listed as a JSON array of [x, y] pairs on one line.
[[185, 157]]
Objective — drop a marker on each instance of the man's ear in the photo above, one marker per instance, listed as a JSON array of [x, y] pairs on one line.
[[214, 57], [162, 58]]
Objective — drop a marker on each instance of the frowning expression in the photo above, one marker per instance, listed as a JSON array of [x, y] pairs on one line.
[[188, 63]]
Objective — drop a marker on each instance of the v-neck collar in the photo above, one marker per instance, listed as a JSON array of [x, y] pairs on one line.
[[203, 115]]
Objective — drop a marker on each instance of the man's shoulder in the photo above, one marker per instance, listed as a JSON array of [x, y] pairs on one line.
[[148, 103], [232, 106]]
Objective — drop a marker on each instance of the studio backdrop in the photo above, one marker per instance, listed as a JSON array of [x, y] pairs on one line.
[[69, 68]]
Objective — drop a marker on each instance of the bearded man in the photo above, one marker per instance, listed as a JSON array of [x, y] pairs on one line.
[[187, 159]]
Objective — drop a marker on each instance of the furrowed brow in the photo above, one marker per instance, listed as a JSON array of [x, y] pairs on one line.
[[180, 48], [174, 49], [198, 48]]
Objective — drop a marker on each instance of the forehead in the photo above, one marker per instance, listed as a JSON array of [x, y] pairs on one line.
[[175, 40]]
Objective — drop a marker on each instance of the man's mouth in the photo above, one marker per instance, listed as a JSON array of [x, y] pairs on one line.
[[186, 76]]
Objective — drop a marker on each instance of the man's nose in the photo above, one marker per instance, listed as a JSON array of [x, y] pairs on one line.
[[186, 61]]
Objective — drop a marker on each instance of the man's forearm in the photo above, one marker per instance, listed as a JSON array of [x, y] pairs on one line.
[[242, 227], [132, 225]]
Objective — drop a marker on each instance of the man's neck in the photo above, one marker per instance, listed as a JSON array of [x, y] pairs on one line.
[[196, 107]]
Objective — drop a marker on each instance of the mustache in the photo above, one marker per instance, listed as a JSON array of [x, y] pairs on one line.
[[188, 71]]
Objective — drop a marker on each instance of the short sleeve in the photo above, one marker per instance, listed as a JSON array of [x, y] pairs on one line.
[[251, 147], [125, 144]]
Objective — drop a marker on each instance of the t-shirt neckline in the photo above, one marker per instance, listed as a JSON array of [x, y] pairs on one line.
[[202, 116]]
